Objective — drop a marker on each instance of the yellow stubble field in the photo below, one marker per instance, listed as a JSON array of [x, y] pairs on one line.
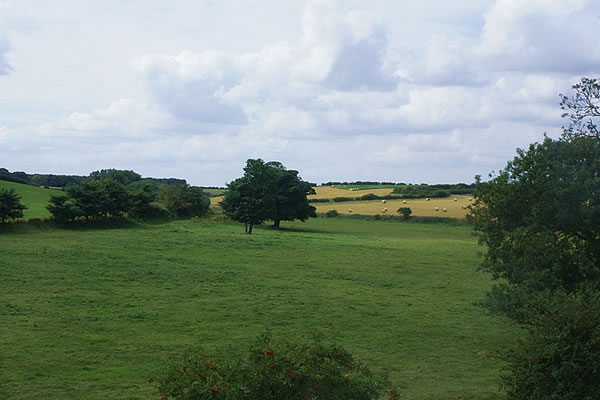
[[419, 207]]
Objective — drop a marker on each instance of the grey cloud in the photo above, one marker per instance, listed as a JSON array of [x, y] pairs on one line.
[[191, 86], [360, 65], [5, 67]]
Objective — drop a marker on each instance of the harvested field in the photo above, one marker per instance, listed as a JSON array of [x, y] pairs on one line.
[[419, 207]]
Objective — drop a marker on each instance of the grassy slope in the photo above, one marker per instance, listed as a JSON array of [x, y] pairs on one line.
[[94, 313], [35, 198]]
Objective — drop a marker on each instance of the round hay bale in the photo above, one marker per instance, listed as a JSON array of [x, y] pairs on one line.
[[437, 209], [444, 209], [383, 201]]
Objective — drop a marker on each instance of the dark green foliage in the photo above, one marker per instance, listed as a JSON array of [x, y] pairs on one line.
[[405, 212], [63, 208], [184, 201], [51, 180], [433, 191], [121, 176], [540, 220], [141, 204], [369, 196], [289, 193], [100, 198], [267, 191], [340, 199], [319, 200], [559, 357], [10, 205], [271, 371], [331, 213], [5, 175]]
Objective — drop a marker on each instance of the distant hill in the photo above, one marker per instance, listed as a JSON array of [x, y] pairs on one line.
[[35, 198], [52, 180]]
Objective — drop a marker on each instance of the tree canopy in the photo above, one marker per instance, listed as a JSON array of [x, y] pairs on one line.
[[10, 205], [267, 191], [540, 218]]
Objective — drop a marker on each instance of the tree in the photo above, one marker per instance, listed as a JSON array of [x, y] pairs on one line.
[[185, 201], [247, 198], [124, 177], [267, 191], [10, 205], [540, 220], [63, 209], [583, 109], [405, 212], [289, 191], [559, 356]]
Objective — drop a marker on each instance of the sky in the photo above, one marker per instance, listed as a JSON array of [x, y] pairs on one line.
[[432, 91]]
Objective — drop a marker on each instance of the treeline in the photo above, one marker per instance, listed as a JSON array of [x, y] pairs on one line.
[[438, 190], [103, 197], [359, 183], [409, 192], [61, 181], [110, 193]]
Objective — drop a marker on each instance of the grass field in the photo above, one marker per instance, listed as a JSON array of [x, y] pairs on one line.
[[35, 198], [93, 314]]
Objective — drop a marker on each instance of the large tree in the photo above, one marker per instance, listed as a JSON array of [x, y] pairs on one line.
[[267, 191], [10, 205], [289, 195], [540, 218]]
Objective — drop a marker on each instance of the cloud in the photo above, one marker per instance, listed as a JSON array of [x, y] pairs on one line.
[[125, 118], [10, 21], [542, 36]]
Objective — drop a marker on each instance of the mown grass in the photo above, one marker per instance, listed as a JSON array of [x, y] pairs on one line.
[[94, 313], [35, 198]]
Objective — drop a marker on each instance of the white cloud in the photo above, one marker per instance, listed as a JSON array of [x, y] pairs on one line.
[[542, 36], [435, 96], [10, 21]]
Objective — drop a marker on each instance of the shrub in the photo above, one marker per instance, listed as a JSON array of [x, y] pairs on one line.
[[306, 371], [340, 199], [405, 212], [369, 196], [331, 213], [560, 356]]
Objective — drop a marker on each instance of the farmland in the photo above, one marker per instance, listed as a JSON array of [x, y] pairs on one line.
[[94, 313], [419, 207]]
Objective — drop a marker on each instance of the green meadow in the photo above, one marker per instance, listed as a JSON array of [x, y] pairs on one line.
[[95, 313], [35, 198]]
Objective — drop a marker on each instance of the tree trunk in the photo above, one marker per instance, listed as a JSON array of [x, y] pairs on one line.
[[250, 230], [276, 223], [246, 226]]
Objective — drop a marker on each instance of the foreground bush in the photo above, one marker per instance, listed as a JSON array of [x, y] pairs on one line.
[[560, 356], [306, 371]]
